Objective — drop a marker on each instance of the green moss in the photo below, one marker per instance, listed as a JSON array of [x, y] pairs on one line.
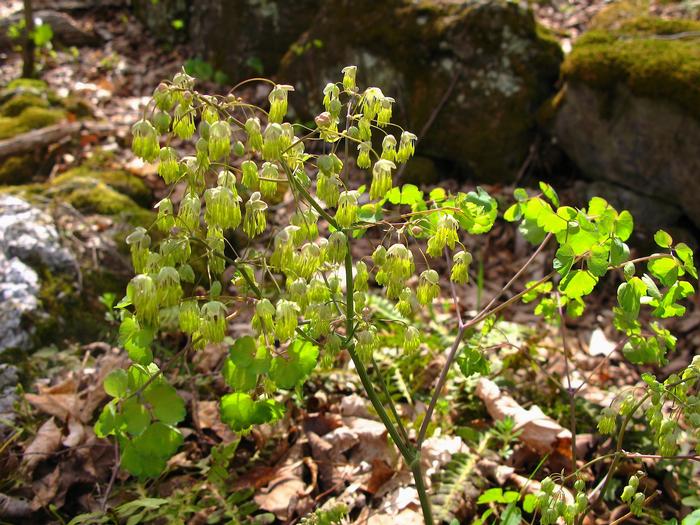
[[643, 56], [120, 180], [17, 170], [30, 118], [29, 84], [77, 106], [21, 101], [100, 198]]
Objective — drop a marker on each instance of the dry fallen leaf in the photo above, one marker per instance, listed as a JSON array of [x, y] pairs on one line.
[[539, 431], [46, 442], [60, 400]]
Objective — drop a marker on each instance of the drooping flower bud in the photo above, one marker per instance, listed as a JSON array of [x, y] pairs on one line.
[[222, 208], [366, 342], [268, 180], [209, 113], [168, 286], [319, 316], [607, 423], [330, 92], [188, 317], [145, 141], [406, 304], [428, 287], [445, 235], [379, 255], [381, 179], [142, 292], [215, 250], [227, 179], [263, 322], [396, 270], [168, 168], [318, 291], [139, 242], [407, 146], [337, 247], [328, 189], [161, 121], [213, 321], [162, 97], [389, 148], [298, 292], [411, 339], [188, 215], [219, 140], [273, 142], [346, 214], [460, 268], [361, 277], [363, 159], [254, 221], [255, 138], [249, 178], [278, 102], [384, 114], [183, 121], [365, 129], [349, 76], [166, 216], [328, 126], [283, 254], [286, 319], [307, 222], [307, 261], [371, 102]]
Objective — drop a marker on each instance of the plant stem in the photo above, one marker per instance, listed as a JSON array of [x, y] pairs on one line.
[[425, 504]]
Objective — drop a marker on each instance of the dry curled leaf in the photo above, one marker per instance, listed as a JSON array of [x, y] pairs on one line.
[[46, 442], [539, 431]]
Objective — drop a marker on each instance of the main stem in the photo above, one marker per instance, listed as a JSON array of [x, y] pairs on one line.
[[409, 453]]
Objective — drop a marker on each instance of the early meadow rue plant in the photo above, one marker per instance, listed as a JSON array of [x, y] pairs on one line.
[[310, 297]]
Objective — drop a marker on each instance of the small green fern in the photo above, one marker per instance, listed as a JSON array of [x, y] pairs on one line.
[[330, 514]]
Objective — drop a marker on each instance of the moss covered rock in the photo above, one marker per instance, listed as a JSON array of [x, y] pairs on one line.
[[120, 180], [629, 112], [30, 118], [502, 64]]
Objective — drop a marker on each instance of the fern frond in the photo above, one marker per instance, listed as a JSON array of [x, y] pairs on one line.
[[330, 514]]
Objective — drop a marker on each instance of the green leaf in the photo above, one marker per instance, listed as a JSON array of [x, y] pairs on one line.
[[511, 516], [109, 421], [159, 440], [42, 35], [136, 340], [619, 252], [472, 361], [629, 295], [685, 254], [513, 213], [597, 206], [239, 378], [237, 411], [665, 269], [624, 225], [116, 384], [668, 305], [186, 273], [135, 416], [692, 519], [564, 259], [267, 411], [577, 283], [598, 261], [438, 195], [520, 194], [549, 192], [478, 211], [663, 239], [288, 371], [494, 495], [243, 351], [167, 405], [409, 194], [529, 503]]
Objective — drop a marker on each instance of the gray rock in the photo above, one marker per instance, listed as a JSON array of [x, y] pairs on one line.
[[29, 234], [66, 31], [28, 240], [9, 378], [646, 146]]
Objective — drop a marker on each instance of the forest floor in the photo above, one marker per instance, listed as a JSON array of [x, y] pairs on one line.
[[330, 444]]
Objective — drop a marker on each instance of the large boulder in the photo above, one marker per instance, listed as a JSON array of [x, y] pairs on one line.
[[629, 111], [500, 63]]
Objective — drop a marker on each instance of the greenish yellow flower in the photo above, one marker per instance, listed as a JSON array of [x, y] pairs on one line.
[[460, 268], [381, 179], [278, 102], [254, 221], [363, 159], [249, 178], [389, 148], [384, 113], [337, 246], [349, 77], [183, 122], [139, 241], [168, 286], [222, 208], [166, 216], [445, 235], [346, 214], [428, 287], [268, 180], [213, 321], [254, 132], [168, 167], [219, 140], [145, 141], [273, 142], [407, 146], [189, 317], [188, 215], [286, 319]]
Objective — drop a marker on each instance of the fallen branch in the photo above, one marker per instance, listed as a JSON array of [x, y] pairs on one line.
[[43, 137]]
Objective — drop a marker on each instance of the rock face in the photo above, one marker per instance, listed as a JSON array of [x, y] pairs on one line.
[[28, 240], [501, 64], [245, 38], [629, 113], [9, 378]]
